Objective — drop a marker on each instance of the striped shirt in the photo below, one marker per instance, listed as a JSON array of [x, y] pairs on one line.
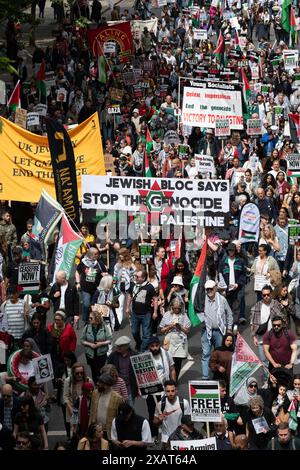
[[15, 318], [120, 388]]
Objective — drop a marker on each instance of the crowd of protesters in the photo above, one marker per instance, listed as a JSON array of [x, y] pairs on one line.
[[110, 287]]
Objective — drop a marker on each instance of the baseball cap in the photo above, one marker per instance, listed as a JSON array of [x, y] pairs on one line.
[[231, 246], [177, 280], [135, 111]]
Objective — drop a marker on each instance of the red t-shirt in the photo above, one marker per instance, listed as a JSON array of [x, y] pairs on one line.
[[280, 346]]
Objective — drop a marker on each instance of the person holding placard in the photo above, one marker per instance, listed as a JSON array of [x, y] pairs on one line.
[[261, 268], [260, 425]]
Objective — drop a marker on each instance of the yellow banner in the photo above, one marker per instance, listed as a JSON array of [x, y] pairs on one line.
[[25, 161]]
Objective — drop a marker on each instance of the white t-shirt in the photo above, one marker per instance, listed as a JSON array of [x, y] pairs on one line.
[[26, 370], [171, 422], [265, 314], [231, 271], [62, 296]]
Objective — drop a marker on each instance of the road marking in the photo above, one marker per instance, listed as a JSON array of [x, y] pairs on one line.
[[185, 368], [56, 433]]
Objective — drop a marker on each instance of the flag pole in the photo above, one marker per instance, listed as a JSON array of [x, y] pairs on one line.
[[107, 248]]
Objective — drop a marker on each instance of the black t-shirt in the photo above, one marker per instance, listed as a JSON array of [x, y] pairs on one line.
[[30, 425], [142, 298], [90, 277]]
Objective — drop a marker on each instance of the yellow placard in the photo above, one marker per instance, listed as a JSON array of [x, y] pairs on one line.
[[25, 161]]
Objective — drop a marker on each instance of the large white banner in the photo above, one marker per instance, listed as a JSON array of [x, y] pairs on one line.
[[154, 194], [202, 106]]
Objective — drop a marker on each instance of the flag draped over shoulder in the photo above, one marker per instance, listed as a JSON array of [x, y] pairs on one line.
[[244, 364], [15, 98], [197, 292], [67, 247], [47, 215]]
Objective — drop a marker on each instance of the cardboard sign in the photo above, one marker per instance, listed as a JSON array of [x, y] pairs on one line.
[[33, 119], [109, 47], [198, 444], [148, 65], [21, 117], [222, 128], [293, 161], [254, 126], [29, 276], [146, 373], [41, 109], [200, 34], [146, 252], [137, 91], [205, 401], [259, 282], [43, 369]]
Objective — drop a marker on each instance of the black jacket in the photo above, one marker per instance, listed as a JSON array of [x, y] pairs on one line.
[[42, 338], [14, 410], [71, 299]]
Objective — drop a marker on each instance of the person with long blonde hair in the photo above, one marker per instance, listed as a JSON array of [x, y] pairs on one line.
[[123, 276], [268, 237]]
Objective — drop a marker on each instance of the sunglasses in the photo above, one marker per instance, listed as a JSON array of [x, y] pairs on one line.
[[275, 325], [6, 396], [78, 373], [209, 289], [253, 386], [266, 295]]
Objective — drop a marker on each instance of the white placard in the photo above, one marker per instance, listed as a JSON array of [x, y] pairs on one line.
[[61, 95], [199, 444], [260, 281], [109, 47], [43, 369], [234, 22], [3, 348], [205, 163], [205, 402], [2, 92], [41, 109], [154, 194], [33, 119], [260, 424], [202, 106], [200, 34]]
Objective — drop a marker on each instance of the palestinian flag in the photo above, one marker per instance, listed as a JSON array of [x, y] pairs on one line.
[[197, 292], [293, 31], [67, 247], [246, 87], [285, 15], [207, 391], [149, 142], [40, 82], [250, 236], [15, 98], [294, 122], [237, 41], [244, 364], [220, 48], [293, 422]]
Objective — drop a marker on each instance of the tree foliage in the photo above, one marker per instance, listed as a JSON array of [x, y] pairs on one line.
[[13, 9]]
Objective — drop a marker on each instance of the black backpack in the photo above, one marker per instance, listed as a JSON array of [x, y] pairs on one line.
[[163, 404]]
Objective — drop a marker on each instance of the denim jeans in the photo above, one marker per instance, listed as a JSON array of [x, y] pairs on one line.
[[86, 301], [216, 342], [138, 321], [239, 296]]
